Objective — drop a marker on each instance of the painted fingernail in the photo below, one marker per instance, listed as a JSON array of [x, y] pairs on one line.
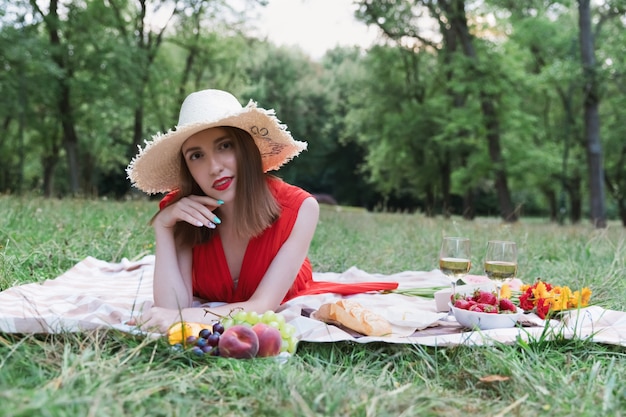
[[210, 225], [217, 220], [220, 202]]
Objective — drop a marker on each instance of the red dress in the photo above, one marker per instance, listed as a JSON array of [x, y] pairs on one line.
[[211, 276]]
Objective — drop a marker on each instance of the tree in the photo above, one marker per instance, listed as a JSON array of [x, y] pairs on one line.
[[592, 116], [546, 31], [398, 20], [612, 72], [60, 50]]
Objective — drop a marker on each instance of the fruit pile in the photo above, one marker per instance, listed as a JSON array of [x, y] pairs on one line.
[[484, 302], [243, 335]]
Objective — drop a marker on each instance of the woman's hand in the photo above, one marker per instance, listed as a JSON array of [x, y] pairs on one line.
[[159, 319], [194, 209]]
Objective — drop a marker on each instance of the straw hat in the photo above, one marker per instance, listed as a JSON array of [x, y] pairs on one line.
[[156, 168]]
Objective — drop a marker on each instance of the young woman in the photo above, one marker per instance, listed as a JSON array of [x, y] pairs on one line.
[[227, 231]]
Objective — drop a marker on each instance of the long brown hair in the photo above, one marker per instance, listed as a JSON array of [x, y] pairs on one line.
[[256, 208]]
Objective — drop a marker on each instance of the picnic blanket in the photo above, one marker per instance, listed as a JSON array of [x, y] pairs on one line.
[[99, 294]]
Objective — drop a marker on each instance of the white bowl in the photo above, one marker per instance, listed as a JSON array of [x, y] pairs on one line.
[[442, 297], [485, 321]]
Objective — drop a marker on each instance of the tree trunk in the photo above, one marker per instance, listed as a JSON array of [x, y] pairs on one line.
[[575, 198], [148, 44], [137, 126], [458, 101], [49, 164], [469, 211], [622, 212], [192, 53], [66, 112], [620, 199], [592, 117], [492, 124], [5, 171], [430, 202], [445, 188], [458, 21], [70, 139], [615, 190], [553, 203]]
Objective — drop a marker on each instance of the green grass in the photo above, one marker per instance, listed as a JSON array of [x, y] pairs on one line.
[[107, 373]]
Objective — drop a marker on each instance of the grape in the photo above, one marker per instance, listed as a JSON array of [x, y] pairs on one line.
[[292, 344], [204, 333], [287, 330], [241, 317], [253, 318], [213, 339], [218, 328], [191, 340], [268, 317], [280, 319], [227, 322], [201, 342], [197, 350]]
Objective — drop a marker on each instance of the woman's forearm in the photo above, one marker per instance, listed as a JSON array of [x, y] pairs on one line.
[[170, 289]]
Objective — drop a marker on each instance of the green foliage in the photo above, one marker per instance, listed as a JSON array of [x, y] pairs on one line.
[[398, 126]]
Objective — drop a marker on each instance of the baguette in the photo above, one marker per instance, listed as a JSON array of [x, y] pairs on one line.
[[353, 316]]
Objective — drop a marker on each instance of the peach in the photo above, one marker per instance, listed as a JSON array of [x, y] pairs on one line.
[[270, 340], [239, 341]]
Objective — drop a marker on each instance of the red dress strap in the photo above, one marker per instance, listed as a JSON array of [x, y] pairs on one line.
[[166, 201]]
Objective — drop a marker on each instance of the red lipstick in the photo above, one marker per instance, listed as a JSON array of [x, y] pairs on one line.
[[222, 183]]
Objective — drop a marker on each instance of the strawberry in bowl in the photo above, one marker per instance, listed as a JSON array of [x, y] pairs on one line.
[[483, 309]]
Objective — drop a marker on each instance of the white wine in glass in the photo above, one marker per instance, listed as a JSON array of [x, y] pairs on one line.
[[455, 257], [501, 260]]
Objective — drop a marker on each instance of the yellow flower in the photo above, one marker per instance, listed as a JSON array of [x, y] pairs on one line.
[[505, 291], [585, 296], [561, 298], [540, 291], [581, 298]]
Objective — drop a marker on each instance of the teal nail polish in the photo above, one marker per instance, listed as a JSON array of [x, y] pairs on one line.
[[217, 220], [220, 202]]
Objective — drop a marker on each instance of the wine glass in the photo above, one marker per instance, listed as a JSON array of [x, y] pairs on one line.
[[454, 258], [501, 262]]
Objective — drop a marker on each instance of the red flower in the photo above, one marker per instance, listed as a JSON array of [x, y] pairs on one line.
[[543, 307], [526, 302]]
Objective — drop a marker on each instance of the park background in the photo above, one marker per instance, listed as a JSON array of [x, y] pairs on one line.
[[406, 124], [459, 107]]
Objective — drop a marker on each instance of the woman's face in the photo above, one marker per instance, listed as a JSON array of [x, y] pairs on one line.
[[211, 160]]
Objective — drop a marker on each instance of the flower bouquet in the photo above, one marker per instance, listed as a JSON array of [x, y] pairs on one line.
[[545, 299]]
